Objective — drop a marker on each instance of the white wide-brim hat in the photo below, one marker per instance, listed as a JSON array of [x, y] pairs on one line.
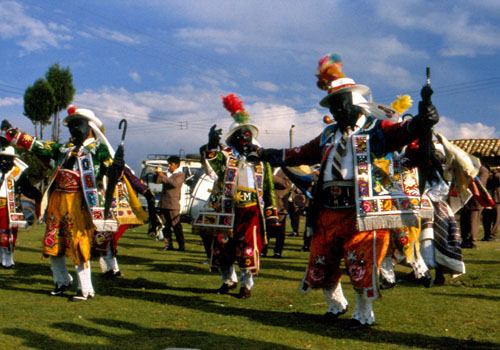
[[361, 93], [8, 151], [82, 113]]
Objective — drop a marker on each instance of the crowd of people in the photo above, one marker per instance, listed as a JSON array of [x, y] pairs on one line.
[[367, 203]]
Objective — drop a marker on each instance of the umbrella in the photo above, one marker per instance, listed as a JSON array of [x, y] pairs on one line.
[[115, 171]]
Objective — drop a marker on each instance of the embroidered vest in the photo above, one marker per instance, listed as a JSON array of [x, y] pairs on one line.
[[220, 220], [386, 191]]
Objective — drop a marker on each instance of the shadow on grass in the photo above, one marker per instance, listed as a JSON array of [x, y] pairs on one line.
[[481, 262], [138, 338], [167, 337], [471, 296], [26, 249], [310, 323]]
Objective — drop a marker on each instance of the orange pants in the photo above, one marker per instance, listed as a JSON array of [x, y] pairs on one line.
[[335, 238]]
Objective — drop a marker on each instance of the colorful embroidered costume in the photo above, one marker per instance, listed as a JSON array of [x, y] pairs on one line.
[[244, 195], [14, 182], [361, 192], [242, 200], [73, 204]]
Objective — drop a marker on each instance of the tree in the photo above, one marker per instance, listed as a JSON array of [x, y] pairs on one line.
[[61, 81], [39, 104]]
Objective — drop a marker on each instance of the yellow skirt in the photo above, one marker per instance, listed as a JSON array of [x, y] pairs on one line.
[[69, 227]]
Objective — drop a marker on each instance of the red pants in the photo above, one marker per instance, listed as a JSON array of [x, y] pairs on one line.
[[246, 243]]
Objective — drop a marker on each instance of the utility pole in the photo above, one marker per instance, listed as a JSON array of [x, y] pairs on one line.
[[291, 135]]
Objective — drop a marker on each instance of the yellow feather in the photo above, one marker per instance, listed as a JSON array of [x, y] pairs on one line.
[[402, 104]]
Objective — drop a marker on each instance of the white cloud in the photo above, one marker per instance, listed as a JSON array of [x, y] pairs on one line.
[[266, 86], [453, 130], [30, 33], [113, 35], [463, 29], [10, 101], [135, 76]]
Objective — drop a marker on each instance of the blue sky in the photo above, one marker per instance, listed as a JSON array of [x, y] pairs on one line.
[[163, 65]]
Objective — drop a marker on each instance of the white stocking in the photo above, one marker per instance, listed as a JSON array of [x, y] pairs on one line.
[[337, 303], [7, 257], [84, 279], [363, 312], [60, 271], [246, 279], [419, 267], [108, 262], [387, 270], [229, 274]]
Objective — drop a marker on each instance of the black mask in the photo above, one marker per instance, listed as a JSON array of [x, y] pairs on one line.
[[79, 129], [242, 141], [6, 163], [344, 112]]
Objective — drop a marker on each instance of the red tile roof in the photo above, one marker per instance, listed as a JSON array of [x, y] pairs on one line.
[[480, 147]]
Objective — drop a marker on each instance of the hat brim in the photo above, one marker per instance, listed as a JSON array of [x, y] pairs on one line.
[[70, 117], [254, 130], [12, 154], [361, 89]]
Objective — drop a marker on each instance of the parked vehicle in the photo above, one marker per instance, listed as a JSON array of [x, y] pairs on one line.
[[195, 190]]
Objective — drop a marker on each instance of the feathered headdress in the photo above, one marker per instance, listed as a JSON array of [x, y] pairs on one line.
[[331, 79], [235, 106], [329, 69]]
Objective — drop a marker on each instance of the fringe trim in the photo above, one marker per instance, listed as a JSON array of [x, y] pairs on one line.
[[387, 221]]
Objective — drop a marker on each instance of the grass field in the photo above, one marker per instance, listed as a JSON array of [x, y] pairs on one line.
[[165, 299]]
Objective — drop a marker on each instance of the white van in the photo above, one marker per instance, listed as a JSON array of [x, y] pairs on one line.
[[195, 190]]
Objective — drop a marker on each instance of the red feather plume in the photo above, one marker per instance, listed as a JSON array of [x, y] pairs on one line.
[[233, 104]]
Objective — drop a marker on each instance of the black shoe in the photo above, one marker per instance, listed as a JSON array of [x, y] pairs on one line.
[[304, 249], [355, 325], [8, 267], [439, 280], [277, 255], [294, 234], [427, 281], [225, 288], [182, 249], [244, 293], [410, 277], [111, 274], [384, 284], [168, 247], [468, 245], [330, 317], [59, 291], [487, 239]]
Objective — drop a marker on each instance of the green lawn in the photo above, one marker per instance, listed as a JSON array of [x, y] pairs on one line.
[[164, 299]]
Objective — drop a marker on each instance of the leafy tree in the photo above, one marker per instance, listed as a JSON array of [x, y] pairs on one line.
[[39, 104], [61, 81]]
